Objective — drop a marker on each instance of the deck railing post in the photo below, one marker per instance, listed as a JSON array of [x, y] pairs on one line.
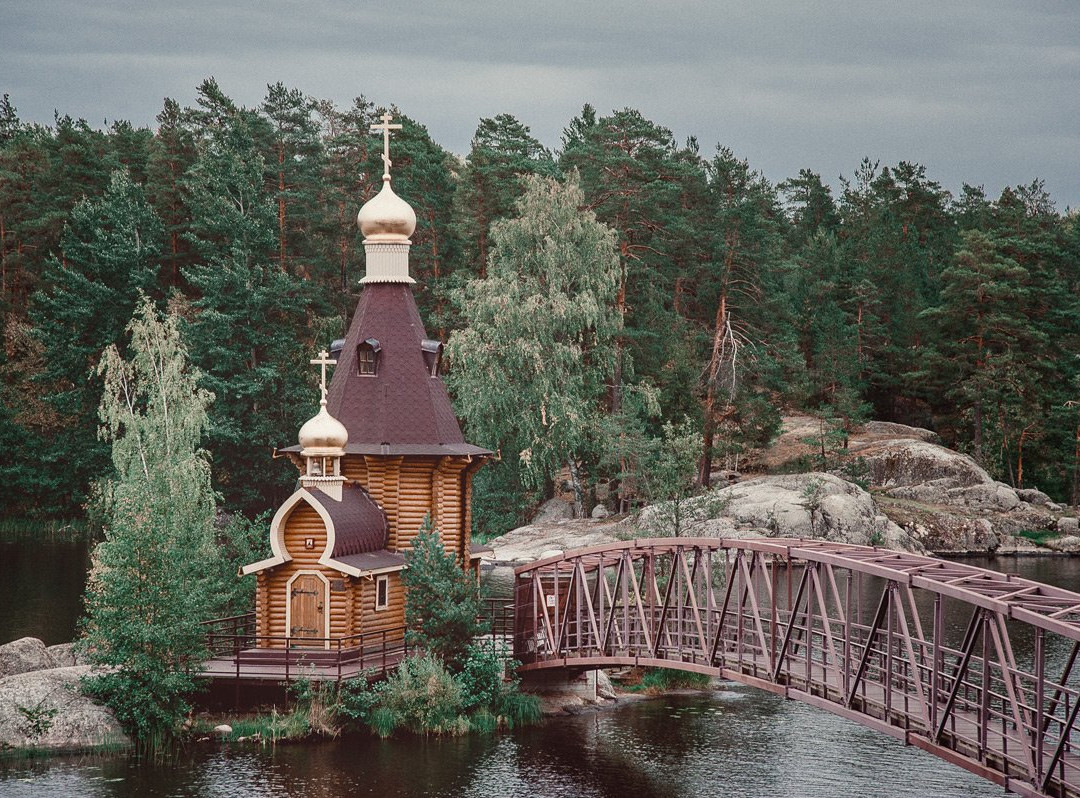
[[938, 663], [1040, 687], [288, 653]]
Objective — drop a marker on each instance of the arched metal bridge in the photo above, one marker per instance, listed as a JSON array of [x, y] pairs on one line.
[[972, 665]]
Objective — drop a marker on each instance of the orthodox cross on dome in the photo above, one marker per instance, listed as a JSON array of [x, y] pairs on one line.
[[324, 361], [385, 127]]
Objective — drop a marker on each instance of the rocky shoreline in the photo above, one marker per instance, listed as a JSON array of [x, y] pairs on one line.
[[894, 486], [42, 707]]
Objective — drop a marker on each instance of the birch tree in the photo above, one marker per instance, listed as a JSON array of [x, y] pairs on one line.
[[151, 580], [531, 369]]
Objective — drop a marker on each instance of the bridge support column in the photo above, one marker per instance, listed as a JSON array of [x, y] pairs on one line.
[[568, 691]]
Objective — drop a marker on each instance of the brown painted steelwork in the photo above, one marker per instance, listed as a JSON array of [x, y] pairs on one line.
[[862, 632]]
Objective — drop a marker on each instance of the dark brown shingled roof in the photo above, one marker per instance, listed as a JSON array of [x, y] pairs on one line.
[[402, 405], [359, 523], [374, 560]]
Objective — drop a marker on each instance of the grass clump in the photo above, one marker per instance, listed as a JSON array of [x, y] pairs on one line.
[[1040, 537], [660, 680]]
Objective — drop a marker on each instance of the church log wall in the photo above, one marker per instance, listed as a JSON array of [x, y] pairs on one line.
[[272, 599], [371, 621]]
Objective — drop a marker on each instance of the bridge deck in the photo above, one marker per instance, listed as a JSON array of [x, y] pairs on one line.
[[857, 631]]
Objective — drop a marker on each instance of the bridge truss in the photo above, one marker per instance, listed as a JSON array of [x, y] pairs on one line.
[[866, 633]]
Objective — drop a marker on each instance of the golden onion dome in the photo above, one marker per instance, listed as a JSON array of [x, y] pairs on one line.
[[323, 435], [386, 216]]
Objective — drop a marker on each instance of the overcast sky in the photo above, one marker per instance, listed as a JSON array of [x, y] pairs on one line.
[[979, 91]]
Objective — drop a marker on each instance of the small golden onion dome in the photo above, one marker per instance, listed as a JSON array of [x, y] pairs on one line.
[[323, 435], [386, 215]]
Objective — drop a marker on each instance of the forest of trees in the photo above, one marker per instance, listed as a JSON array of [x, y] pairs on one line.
[[726, 299]]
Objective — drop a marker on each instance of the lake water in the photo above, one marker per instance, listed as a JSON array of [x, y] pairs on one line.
[[732, 742]]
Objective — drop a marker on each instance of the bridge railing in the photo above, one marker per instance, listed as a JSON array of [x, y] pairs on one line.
[[859, 631]]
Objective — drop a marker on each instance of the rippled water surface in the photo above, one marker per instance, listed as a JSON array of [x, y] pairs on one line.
[[734, 742]]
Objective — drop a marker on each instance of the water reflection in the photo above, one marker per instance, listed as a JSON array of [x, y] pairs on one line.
[[736, 742], [42, 586]]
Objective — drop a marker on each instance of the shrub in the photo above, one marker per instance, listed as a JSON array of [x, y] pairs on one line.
[[518, 709], [423, 697], [481, 677]]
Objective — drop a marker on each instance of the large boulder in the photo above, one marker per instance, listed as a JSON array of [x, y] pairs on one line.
[[24, 655], [814, 505], [46, 709], [892, 431], [528, 543], [553, 511], [898, 463], [65, 655], [1034, 496]]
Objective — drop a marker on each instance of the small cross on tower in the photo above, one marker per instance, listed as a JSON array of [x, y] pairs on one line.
[[385, 127], [324, 361]]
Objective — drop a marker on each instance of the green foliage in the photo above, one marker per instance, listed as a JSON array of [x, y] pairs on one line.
[[110, 246], [500, 499], [732, 298], [661, 470], [661, 679], [37, 720], [423, 697], [148, 588], [481, 676], [1038, 536], [530, 369], [240, 541], [441, 600]]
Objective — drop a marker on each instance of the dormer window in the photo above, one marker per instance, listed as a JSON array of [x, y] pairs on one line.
[[432, 355], [367, 357]]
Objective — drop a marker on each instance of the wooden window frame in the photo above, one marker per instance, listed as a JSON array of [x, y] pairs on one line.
[[382, 583], [367, 358]]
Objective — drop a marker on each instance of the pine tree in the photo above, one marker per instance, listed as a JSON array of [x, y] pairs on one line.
[[742, 278], [636, 180], [503, 152], [294, 156], [988, 350], [111, 247], [147, 592], [441, 601], [249, 332], [172, 153]]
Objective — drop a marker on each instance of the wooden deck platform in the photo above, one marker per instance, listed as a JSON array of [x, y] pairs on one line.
[[285, 665]]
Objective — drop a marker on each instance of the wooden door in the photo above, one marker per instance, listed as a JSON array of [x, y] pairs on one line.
[[307, 609]]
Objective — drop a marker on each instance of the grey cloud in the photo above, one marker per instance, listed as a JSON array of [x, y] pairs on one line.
[[981, 91]]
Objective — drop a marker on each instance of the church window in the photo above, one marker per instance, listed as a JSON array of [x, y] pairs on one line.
[[432, 355], [382, 592], [367, 357]]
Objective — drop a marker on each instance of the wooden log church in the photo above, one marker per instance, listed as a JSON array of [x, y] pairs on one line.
[[384, 451]]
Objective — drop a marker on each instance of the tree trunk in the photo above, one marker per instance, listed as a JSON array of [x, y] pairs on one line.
[[281, 204], [978, 433], [579, 490]]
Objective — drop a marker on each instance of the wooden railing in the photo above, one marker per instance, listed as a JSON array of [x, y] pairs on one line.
[[497, 624], [233, 638]]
